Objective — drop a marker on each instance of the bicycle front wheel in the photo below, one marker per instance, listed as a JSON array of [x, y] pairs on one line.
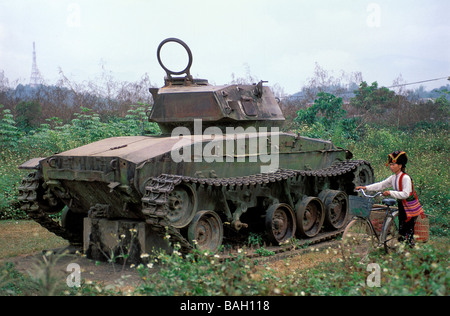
[[358, 239], [390, 235]]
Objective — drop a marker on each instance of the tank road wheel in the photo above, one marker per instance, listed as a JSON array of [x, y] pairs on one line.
[[310, 216], [280, 223], [182, 203], [336, 208], [206, 231]]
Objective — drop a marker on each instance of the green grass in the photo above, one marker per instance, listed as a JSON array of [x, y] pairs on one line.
[[26, 237]]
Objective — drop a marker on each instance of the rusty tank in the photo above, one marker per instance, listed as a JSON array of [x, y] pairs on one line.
[[220, 171]]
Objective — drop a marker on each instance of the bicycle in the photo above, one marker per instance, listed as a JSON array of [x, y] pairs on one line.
[[360, 235]]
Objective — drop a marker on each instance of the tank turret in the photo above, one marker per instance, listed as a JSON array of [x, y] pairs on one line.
[[184, 99]]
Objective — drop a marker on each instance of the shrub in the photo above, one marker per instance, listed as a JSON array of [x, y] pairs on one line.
[[200, 273]]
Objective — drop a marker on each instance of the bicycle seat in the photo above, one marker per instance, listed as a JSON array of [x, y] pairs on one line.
[[389, 202]]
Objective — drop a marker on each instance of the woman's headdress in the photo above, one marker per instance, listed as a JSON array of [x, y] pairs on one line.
[[398, 157]]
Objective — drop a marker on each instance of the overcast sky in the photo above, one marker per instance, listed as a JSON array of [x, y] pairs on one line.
[[278, 41]]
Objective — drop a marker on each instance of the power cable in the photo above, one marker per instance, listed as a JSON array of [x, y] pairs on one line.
[[407, 84]]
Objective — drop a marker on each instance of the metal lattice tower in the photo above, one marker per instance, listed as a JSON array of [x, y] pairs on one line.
[[35, 78]]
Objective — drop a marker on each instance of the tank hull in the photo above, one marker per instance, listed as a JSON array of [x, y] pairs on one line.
[[162, 183], [115, 171]]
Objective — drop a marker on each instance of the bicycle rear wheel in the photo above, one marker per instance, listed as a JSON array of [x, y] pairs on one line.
[[390, 235], [358, 239]]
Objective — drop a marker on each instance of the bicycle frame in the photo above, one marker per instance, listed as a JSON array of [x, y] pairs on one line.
[[360, 234], [389, 216]]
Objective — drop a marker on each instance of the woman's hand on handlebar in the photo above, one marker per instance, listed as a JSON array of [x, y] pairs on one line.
[[362, 188]]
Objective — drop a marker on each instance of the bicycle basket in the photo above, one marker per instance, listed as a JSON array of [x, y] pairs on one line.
[[360, 206]]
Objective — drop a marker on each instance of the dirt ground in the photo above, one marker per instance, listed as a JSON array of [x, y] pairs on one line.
[[101, 272], [24, 244]]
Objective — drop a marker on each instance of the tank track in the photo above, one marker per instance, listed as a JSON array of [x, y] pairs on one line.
[[283, 251], [155, 200], [37, 207]]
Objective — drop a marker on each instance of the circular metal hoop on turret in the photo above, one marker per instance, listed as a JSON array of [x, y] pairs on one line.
[[168, 71]]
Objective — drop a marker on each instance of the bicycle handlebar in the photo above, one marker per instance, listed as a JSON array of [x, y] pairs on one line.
[[369, 196]]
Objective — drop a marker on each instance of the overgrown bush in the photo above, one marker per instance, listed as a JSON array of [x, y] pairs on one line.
[[326, 119], [200, 273], [419, 271], [422, 270]]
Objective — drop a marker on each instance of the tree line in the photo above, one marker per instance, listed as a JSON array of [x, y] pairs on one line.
[[324, 100]]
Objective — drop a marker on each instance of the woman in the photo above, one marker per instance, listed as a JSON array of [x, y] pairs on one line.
[[403, 190]]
